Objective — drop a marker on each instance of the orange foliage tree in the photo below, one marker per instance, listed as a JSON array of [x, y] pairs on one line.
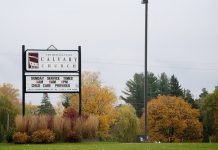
[[96, 99], [171, 119]]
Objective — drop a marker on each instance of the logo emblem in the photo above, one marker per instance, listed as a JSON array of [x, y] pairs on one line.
[[33, 60]]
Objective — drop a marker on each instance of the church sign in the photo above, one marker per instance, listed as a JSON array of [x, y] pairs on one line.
[[51, 71], [53, 61]]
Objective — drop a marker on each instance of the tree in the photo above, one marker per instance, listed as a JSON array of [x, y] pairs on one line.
[[65, 102], [171, 119], [98, 100], [9, 105], [46, 107], [164, 86], [134, 93], [189, 99], [31, 109], [126, 126], [216, 122], [175, 88], [204, 93], [208, 107], [152, 86]]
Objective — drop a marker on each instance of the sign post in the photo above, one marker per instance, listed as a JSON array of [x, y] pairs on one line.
[[51, 71]]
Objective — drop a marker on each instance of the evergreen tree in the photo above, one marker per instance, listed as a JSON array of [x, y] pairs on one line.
[[189, 99], [65, 103], [204, 93], [164, 86], [152, 86], [175, 88], [134, 93], [46, 107]]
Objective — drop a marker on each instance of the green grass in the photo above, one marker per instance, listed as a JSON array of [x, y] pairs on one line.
[[110, 146]]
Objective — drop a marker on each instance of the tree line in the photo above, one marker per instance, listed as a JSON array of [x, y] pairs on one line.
[[163, 85], [173, 114]]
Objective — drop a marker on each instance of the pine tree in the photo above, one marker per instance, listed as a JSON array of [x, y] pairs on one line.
[[65, 103], [46, 107], [152, 86], [134, 93], [164, 86], [175, 88], [189, 99], [204, 93]]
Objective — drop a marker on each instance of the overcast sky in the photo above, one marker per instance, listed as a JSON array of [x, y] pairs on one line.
[[182, 40]]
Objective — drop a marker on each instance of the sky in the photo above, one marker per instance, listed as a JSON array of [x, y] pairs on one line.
[[182, 38]]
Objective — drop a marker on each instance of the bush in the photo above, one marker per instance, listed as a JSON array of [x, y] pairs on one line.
[[29, 124], [43, 136], [58, 127], [20, 123], [1, 133], [20, 138], [9, 135], [73, 137], [87, 128]]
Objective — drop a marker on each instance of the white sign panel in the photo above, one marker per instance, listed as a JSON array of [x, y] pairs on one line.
[[52, 83], [52, 60]]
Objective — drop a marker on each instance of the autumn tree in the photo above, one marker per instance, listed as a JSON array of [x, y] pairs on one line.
[[126, 126], [171, 119], [96, 99], [9, 105], [46, 107], [30, 109]]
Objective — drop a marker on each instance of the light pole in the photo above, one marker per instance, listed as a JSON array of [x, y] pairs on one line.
[[146, 69]]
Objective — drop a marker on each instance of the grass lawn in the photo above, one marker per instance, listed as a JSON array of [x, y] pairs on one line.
[[110, 146]]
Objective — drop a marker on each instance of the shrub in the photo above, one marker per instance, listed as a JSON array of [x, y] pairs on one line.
[[67, 126], [73, 137], [1, 133], [87, 128], [33, 124], [43, 122], [71, 113], [20, 123], [58, 126], [43, 136], [9, 135], [20, 138]]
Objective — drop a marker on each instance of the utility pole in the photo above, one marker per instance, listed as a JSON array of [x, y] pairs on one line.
[[146, 70]]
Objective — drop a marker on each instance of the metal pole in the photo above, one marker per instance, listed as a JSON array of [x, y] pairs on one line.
[[80, 82], [146, 69], [23, 79]]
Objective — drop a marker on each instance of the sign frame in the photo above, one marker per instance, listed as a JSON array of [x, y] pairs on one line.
[[62, 73]]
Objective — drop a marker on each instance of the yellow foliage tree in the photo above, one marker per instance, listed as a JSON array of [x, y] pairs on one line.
[[171, 119], [96, 99]]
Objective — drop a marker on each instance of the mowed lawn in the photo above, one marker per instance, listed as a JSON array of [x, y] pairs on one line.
[[111, 146]]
